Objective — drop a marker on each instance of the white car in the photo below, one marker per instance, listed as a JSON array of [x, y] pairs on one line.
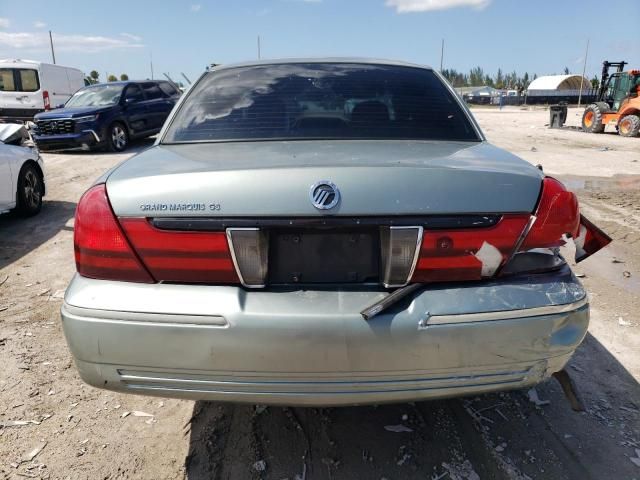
[[21, 171]]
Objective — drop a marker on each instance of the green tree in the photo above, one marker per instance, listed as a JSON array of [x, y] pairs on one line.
[[124, 77], [499, 82], [566, 71], [595, 82], [112, 78]]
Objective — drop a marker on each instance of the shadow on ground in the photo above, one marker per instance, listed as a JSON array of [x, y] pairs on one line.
[[19, 236], [497, 436]]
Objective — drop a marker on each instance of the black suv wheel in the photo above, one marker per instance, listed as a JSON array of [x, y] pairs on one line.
[[118, 138]]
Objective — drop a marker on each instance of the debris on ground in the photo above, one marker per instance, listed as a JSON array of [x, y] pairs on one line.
[[33, 453], [623, 323], [535, 399], [397, 428], [260, 466], [463, 471], [58, 294], [636, 459], [534, 149], [626, 274], [138, 413], [259, 409]]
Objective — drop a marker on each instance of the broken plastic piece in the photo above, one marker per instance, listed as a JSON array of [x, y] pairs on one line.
[[388, 301], [589, 240]]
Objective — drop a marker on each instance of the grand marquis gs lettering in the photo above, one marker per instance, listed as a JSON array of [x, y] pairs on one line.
[[179, 207]]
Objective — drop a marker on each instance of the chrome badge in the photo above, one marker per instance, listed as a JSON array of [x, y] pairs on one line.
[[324, 195]]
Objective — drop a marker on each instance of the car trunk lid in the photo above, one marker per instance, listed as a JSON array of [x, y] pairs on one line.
[[261, 179]]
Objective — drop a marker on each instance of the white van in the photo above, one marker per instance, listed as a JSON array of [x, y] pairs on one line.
[[28, 87]]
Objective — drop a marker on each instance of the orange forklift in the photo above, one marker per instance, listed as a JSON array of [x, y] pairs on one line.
[[618, 102]]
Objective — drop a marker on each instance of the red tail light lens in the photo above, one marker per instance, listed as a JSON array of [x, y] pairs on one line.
[[180, 256], [101, 249], [467, 254], [557, 214]]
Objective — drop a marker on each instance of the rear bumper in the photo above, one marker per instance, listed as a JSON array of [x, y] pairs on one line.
[[84, 140], [313, 347]]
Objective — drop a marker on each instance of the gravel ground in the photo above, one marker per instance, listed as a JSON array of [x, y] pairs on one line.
[[54, 426]]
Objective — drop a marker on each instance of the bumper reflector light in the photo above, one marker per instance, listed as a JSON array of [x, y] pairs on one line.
[[400, 248], [249, 249]]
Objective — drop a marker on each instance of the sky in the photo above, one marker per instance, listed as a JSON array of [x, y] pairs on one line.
[[116, 36]]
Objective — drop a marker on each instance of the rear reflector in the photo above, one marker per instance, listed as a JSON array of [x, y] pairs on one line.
[[101, 249], [175, 256], [399, 247], [467, 254], [249, 249]]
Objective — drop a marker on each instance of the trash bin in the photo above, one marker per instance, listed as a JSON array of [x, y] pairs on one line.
[[557, 115]]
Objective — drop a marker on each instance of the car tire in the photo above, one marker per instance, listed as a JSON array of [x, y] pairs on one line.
[[117, 137], [30, 191], [629, 126]]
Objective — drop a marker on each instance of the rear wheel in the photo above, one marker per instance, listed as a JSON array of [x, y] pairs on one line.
[[118, 138], [592, 118], [30, 190], [629, 126]]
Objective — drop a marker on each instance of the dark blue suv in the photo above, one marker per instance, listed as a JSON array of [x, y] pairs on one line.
[[107, 115]]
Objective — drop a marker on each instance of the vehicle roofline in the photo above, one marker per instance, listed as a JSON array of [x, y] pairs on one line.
[[281, 61]]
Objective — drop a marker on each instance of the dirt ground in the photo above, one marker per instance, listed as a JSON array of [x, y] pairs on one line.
[[54, 426]]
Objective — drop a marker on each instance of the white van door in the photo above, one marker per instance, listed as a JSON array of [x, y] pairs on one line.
[[20, 90], [56, 83], [76, 80]]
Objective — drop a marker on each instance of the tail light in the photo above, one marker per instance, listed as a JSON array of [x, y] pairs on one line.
[[46, 101], [557, 215], [133, 250], [556, 219], [516, 244], [467, 254], [589, 240], [181, 256], [101, 249]]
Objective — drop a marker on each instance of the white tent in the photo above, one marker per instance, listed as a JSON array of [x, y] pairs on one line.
[[560, 82]]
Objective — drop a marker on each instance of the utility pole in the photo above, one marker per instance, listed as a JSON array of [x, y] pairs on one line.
[[441, 55], [258, 47], [584, 69], [151, 63], [53, 54]]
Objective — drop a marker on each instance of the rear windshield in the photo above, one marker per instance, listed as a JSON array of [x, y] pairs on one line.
[[98, 96], [320, 100], [19, 80]]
